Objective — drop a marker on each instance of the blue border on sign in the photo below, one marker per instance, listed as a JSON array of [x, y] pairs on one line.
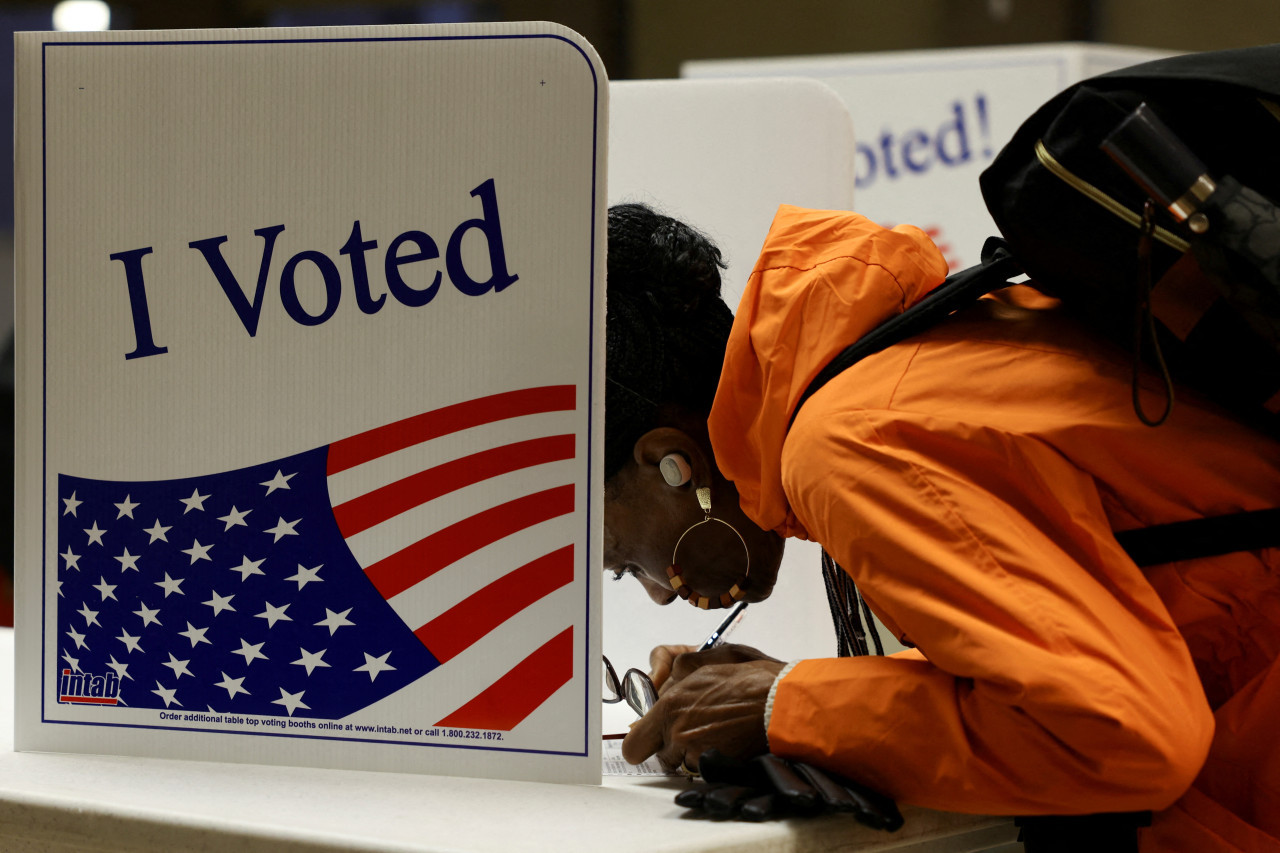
[[44, 290]]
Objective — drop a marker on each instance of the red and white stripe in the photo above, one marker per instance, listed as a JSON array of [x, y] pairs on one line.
[[463, 519]]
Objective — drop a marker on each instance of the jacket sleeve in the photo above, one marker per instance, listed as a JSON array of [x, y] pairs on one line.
[[1053, 680]]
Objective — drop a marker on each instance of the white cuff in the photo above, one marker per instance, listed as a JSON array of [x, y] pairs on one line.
[[773, 691]]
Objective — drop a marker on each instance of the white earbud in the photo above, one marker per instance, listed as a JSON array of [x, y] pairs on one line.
[[675, 469]]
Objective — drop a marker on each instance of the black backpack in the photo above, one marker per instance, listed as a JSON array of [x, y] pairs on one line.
[[1072, 214], [1086, 230]]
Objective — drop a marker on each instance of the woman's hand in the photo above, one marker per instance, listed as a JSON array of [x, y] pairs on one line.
[[712, 699], [663, 658]]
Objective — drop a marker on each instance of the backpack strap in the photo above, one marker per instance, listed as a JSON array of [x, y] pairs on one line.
[[1202, 537], [1147, 546]]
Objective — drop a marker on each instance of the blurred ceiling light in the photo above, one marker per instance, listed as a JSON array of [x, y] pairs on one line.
[[81, 15]]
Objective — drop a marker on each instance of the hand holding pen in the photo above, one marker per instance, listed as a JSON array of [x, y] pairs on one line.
[[638, 690], [662, 658], [713, 699]]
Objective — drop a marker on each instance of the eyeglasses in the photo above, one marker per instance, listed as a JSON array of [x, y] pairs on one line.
[[635, 687]]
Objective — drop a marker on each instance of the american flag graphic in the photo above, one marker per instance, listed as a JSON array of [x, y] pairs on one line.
[[318, 584]]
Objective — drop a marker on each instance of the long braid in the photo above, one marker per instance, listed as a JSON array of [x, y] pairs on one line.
[[848, 609]]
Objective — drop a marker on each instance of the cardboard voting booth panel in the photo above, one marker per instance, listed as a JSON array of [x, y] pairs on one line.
[[928, 122], [309, 379], [722, 155]]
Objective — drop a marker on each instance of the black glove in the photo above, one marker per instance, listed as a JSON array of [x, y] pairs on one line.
[[768, 787]]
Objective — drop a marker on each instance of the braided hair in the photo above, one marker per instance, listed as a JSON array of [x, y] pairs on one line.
[[666, 326]]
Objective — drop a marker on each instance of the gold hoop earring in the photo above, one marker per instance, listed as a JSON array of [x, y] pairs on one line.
[[687, 592]]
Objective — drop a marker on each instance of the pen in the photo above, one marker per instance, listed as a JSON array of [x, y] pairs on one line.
[[722, 630]]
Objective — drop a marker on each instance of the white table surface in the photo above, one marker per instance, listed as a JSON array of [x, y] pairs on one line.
[[54, 802]]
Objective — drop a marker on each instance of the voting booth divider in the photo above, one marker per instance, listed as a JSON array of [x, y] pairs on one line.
[[309, 360]]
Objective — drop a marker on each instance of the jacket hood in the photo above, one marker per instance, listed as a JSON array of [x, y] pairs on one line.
[[823, 280]]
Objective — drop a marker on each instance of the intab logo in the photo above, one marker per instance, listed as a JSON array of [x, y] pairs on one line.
[[84, 688]]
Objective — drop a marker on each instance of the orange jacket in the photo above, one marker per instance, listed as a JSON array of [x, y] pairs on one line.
[[969, 480]]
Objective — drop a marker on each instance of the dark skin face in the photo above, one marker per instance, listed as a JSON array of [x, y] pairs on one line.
[[645, 517], [708, 699]]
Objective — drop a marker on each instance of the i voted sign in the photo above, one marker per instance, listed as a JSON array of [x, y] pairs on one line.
[[409, 247], [310, 335]]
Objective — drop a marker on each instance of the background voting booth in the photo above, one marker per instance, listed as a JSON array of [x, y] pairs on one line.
[[928, 122], [721, 154]]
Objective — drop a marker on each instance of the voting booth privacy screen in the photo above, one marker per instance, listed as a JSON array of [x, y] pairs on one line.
[[929, 121], [309, 360]]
